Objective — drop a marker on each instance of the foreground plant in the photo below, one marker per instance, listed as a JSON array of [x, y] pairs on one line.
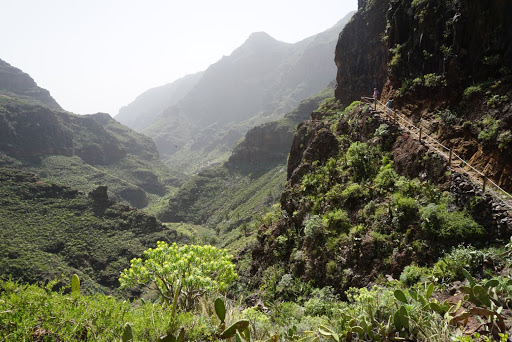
[[181, 274]]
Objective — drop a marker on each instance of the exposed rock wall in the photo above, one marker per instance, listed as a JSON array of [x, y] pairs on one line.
[[361, 55], [486, 210]]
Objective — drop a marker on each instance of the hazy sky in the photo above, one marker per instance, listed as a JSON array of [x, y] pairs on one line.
[[98, 55]]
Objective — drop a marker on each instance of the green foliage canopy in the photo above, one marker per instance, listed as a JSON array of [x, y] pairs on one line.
[[181, 274]]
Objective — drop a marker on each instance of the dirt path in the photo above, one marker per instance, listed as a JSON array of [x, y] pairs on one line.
[[455, 162]]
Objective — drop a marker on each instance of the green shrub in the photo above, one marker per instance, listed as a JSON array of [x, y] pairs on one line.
[[449, 267], [353, 195], [351, 107], [447, 116], [414, 274], [323, 302], [405, 209], [472, 91], [453, 226], [314, 225], [489, 130], [434, 80], [504, 140], [363, 160], [385, 179], [337, 221], [496, 100]]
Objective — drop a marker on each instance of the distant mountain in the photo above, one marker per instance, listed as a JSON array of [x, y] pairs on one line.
[[139, 114], [260, 81], [82, 151], [15, 82]]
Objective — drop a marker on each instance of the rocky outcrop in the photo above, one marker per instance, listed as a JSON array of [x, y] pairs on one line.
[[16, 82], [485, 209], [361, 54], [444, 62], [269, 143], [27, 131]]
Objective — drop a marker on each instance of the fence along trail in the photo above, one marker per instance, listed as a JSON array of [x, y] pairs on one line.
[[454, 161]]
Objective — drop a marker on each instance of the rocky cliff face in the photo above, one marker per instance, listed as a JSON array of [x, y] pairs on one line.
[[446, 63], [361, 53], [15, 81], [349, 213], [269, 143]]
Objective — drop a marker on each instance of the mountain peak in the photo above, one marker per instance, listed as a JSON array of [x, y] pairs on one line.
[[261, 40], [260, 36]]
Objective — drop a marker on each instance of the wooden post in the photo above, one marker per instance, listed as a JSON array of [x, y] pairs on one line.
[[484, 180], [420, 131], [450, 157]]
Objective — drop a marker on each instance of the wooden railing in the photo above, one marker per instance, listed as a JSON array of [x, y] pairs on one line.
[[454, 161]]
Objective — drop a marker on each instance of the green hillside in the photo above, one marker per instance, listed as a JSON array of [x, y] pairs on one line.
[[49, 230], [83, 151]]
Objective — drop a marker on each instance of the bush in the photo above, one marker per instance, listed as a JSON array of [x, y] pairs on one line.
[[385, 179], [353, 195], [504, 140], [323, 302], [314, 225], [180, 274], [443, 225], [449, 267], [363, 160], [405, 209], [350, 108], [414, 274], [447, 116], [337, 221], [489, 130], [471, 92]]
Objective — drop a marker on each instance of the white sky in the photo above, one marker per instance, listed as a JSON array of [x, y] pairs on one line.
[[98, 55]]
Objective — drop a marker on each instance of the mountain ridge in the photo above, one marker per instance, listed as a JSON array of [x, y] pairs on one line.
[[248, 87]]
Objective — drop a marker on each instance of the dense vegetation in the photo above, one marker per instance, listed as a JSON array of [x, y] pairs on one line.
[[48, 230], [369, 241]]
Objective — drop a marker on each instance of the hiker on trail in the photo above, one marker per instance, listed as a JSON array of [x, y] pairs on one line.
[[375, 97], [375, 94], [390, 106]]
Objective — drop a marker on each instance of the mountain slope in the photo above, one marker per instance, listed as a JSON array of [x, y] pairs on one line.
[[446, 64], [231, 195], [139, 114], [82, 151], [15, 82], [260, 81], [48, 230], [364, 198]]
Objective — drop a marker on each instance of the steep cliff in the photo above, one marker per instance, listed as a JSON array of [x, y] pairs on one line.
[[446, 63], [13, 81], [364, 198]]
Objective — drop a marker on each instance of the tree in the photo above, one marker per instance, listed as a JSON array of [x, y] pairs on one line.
[[181, 274]]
